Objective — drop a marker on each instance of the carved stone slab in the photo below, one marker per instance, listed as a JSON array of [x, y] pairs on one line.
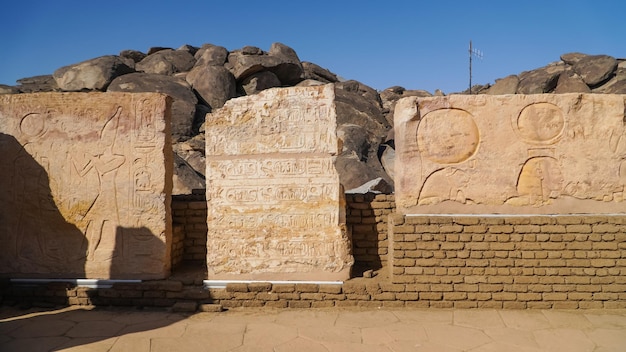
[[85, 182], [517, 154], [276, 208]]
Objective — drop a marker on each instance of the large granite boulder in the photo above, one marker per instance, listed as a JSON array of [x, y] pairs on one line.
[[318, 73], [281, 60], [541, 80], [36, 84], [183, 106], [595, 69], [94, 74], [506, 85], [166, 62], [570, 82], [259, 81], [211, 55], [214, 84]]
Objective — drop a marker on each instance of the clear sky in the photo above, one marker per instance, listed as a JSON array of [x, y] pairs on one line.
[[414, 44]]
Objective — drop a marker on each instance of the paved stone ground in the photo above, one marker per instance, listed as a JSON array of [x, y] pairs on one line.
[[90, 329]]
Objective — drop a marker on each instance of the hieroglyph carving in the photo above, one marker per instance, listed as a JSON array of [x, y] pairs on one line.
[[276, 208], [511, 154], [85, 185]]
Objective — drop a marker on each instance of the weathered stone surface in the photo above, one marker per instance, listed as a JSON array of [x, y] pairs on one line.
[[4, 89], [276, 208], [212, 55], [595, 69], [541, 80], [548, 153], [184, 100], [214, 84], [572, 58], [616, 85], [134, 55], [86, 180], [36, 84], [318, 73], [166, 62], [281, 60], [506, 85], [94, 74], [570, 82], [259, 81]]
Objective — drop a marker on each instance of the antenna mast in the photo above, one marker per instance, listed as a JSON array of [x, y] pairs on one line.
[[478, 54]]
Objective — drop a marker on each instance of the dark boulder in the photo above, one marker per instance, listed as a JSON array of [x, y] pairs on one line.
[[280, 60], [211, 55], [166, 62], [541, 80], [259, 81], [214, 84], [94, 74], [506, 85], [44, 83], [595, 69], [570, 82], [315, 72]]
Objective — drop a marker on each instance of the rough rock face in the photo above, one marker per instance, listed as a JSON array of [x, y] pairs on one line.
[[599, 73], [166, 62], [214, 84], [85, 185], [94, 74]]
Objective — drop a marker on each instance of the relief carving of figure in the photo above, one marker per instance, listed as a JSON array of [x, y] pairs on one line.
[[103, 215], [444, 184], [539, 181]]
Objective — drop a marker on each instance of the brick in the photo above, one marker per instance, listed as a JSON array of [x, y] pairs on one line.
[[276, 304], [259, 287], [354, 288], [407, 296], [334, 289], [253, 304], [236, 287], [504, 296], [582, 228], [454, 296], [385, 296], [284, 288], [322, 304], [312, 296], [431, 296], [267, 296]]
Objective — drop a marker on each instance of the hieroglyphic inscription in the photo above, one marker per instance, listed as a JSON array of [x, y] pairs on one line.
[[514, 154], [274, 199], [95, 167]]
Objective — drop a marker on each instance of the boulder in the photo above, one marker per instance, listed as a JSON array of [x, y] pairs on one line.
[[4, 89], [313, 71], [189, 48], [94, 74], [616, 85], [595, 69], [541, 80], [184, 100], [193, 152], [44, 83], [309, 83], [134, 55], [166, 62], [259, 81], [570, 82], [572, 58], [211, 55], [355, 106], [185, 178], [506, 85], [214, 84], [281, 60], [358, 161]]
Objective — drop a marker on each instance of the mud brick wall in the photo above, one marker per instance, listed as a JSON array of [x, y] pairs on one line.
[[366, 216], [512, 262], [189, 213]]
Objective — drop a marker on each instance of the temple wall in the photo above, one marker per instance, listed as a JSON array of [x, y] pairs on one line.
[[511, 154], [86, 183], [276, 209]]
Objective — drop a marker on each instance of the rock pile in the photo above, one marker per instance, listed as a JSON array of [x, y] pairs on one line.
[[201, 79]]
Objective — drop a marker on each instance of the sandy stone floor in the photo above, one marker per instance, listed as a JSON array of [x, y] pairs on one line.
[[114, 329]]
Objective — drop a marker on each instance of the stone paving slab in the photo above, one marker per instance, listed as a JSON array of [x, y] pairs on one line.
[[312, 330]]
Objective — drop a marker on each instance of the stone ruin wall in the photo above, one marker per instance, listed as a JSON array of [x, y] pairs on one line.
[[276, 209], [86, 182], [511, 154]]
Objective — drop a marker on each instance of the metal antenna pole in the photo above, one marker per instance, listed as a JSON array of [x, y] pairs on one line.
[[479, 55], [470, 68]]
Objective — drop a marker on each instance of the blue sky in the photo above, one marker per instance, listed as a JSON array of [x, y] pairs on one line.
[[414, 44]]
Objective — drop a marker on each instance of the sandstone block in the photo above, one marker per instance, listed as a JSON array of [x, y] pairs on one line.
[[86, 185], [276, 208], [522, 154]]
